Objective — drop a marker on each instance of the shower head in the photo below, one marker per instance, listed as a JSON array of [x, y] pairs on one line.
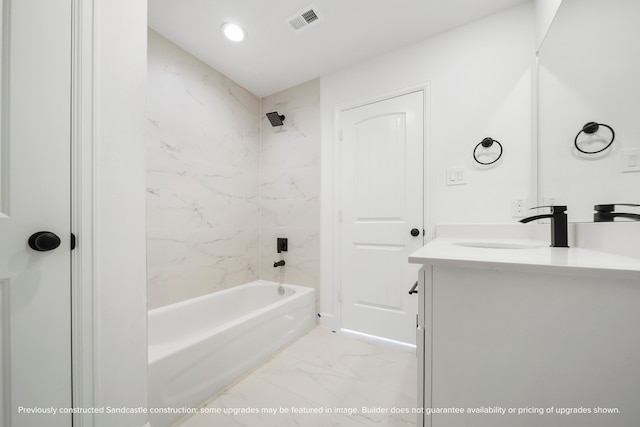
[[275, 118]]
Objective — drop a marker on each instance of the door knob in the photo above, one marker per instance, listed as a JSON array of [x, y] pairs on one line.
[[44, 241], [415, 232]]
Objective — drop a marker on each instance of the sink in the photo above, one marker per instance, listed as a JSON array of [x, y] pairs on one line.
[[498, 245]]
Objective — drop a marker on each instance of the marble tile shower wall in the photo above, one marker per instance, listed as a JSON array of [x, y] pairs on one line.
[[222, 183], [290, 185], [203, 206]]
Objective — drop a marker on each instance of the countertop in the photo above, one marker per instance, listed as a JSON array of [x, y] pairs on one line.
[[537, 256]]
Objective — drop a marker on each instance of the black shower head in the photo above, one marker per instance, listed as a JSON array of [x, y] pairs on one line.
[[275, 118]]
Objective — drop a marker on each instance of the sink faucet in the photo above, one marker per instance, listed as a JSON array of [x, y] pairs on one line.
[[605, 213], [558, 216]]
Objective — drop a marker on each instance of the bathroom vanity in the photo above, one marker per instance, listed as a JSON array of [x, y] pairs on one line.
[[514, 332]]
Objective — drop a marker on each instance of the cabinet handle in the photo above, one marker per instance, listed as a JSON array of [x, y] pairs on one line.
[[413, 289]]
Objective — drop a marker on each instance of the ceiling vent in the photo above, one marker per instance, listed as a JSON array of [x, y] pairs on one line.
[[304, 18]]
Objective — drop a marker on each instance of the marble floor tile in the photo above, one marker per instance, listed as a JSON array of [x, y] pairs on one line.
[[394, 373], [315, 383], [323, 347], [322, 379]]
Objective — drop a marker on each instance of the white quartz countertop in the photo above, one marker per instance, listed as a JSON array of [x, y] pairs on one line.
[[524, 255]]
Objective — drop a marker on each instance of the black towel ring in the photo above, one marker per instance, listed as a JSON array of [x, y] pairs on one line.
[[486, 143], [592, 127]]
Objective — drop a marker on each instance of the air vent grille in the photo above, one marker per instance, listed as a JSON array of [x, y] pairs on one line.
[[298, 22], [310, 16], [302, 19]]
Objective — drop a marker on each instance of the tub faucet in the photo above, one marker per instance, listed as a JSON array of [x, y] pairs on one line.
[[278, 263], [605, 213], [559, 232]]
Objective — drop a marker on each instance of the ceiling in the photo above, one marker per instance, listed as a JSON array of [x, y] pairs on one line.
[[274, 57]]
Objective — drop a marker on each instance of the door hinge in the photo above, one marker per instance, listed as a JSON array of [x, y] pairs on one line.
[[73, 241], [340, 295], [339, 216], [340, 135]]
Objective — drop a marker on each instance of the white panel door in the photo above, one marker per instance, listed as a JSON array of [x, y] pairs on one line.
[[35, 324], [382, 202]]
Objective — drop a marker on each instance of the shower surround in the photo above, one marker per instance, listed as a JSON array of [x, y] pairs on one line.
[[290, 185], [222, 184], [203, 148]]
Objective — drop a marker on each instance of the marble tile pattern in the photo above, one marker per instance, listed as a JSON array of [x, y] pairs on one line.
[[322, 370], [203, 207], [290, 185]]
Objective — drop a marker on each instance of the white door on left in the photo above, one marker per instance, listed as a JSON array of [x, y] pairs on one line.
[[35, 285]]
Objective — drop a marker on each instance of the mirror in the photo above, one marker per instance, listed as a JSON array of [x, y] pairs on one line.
[[589, 71]]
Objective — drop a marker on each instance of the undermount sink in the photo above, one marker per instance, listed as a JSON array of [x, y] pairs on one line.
[[497, 245]]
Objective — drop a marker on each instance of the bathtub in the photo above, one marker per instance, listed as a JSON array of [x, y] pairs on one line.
[[199, 346]]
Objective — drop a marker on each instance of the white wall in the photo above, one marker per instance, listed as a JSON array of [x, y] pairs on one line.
[[480, 78], [120, 36], [203, 148], [545, 13]]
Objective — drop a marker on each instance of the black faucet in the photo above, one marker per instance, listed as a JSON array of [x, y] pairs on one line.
[[558, 216], [605, 213], [279, 263]]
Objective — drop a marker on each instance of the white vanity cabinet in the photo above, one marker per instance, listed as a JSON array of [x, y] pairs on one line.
[[533, 336]]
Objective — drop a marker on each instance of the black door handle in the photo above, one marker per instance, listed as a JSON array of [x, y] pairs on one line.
[[43, 241], [413, 289], [415, 232]]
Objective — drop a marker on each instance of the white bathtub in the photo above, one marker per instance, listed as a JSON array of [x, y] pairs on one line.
[[199, 346]]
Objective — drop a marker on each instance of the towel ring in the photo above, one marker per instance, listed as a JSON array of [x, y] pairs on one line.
[[592, 127], [486, 143]]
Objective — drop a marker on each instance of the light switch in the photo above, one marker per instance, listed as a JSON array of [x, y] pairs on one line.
[[631, 160], [455, 176]]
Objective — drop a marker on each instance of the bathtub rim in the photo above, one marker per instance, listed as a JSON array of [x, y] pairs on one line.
[[159, 352], [189, 301]]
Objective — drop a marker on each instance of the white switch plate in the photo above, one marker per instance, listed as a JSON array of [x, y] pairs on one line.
[[631, 160], [519, 207], [455, 176]]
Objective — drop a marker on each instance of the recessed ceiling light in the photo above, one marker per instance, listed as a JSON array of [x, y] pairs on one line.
[[233, 32]]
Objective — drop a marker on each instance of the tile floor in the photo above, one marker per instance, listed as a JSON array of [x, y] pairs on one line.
[[323, 379]]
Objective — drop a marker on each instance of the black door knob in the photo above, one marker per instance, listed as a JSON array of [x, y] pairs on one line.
[[44, 241], [415, 232]]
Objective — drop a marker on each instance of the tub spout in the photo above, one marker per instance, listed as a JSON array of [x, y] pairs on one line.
[[279, 263]]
